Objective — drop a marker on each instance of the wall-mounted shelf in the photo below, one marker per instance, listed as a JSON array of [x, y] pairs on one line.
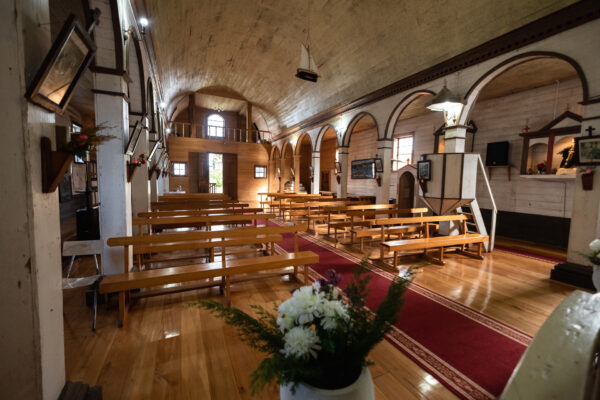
[[490, 168], [550, 177], [54, 165], [131, 171]]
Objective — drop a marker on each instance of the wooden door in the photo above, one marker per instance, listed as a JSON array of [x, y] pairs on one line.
[[203, 173], [230, 173], [406, 190], [325, 181]]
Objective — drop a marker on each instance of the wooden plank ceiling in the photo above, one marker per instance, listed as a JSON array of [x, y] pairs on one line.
[[253, 47]]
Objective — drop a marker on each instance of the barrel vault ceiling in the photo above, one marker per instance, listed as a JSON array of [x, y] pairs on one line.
[[253, 46]]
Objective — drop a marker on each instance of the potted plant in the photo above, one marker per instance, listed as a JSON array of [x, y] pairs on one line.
[[587, 178], [87, 140], [594, 258], [134, 164], [541, 167], [317, 344]]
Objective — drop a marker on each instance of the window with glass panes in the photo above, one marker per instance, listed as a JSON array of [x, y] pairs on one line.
[[216, 126], [260, 171], [402, 151], [179, 168]]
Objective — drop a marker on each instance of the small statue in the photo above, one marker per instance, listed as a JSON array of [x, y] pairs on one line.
[[568, 160]]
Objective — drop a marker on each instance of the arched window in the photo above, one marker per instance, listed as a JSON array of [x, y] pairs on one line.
[[216, 126]]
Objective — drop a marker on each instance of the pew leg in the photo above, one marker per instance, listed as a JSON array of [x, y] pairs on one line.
[[122, 310], [228, 291], [305, 274], [395, 259], [442, 255], [479, 247]]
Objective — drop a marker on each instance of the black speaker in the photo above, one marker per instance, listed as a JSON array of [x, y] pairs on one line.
[[497, 154]]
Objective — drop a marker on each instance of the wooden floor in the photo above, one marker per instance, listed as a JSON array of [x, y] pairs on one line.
[[170, 350]]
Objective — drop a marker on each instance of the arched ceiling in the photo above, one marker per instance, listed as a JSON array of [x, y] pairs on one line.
[[359, 46]]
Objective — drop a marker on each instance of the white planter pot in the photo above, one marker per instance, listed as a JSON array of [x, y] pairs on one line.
[[361, 389], [596, 277]]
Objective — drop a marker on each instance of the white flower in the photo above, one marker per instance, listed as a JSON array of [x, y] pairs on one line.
[[285, 322], [333, 311], [303, 305], [316, 286], [301, 342], [595, 245]]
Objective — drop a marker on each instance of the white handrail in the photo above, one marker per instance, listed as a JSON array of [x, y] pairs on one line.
[[494, 208]]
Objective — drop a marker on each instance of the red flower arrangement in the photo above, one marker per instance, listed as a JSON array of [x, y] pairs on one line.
[[541, 167], [138, 162]]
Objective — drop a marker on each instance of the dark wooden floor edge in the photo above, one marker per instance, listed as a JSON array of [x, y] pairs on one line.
[[573, 274]]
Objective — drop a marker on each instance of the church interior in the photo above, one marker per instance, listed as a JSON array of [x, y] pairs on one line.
[[171, 166]]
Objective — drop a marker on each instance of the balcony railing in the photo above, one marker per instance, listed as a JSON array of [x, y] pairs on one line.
[[184, 129]]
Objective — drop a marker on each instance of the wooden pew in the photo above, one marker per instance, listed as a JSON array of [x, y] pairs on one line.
[[338, 214], [123, 283], [195, 196], [205, 220], [194, 205], [145, 241], [198, 213], [427, 242], [314, 210]]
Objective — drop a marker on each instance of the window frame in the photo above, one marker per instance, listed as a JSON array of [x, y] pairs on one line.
[[185, 169], [260, 177], [217, 127], [396, 162]]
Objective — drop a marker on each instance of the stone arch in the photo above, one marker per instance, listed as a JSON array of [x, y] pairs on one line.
[[399, 109], [475, 89], [352, 124]]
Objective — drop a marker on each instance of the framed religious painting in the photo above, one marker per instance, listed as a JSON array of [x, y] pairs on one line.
[[424, 170], [378, 165], [362, 169], [134, 138], [338, 167], [70, 55], [153, 151], [587, 150]]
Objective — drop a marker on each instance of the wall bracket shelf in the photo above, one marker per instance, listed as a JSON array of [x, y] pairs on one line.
[[54, 165], [490, 168]]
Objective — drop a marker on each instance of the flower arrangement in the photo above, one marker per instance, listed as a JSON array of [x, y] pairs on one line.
[[138, 162], [586, 171], [86, 140], [541, 167], [594, 256], [321, 335]]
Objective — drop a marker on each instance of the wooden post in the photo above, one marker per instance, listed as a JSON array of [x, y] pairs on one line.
[[126, 259]]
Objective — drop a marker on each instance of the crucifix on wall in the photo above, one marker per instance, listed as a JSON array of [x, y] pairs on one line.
[[589, 130]]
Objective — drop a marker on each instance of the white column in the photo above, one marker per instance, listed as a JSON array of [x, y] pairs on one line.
[[31, 307], [296, 173], [153, 187], [160, 182], [384, 151], [585, 219], [454, 139], [113, 189], [140, 188], [316, 165], [342, 186]]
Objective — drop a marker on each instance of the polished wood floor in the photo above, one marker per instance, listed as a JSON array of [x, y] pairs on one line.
[[170, 350]]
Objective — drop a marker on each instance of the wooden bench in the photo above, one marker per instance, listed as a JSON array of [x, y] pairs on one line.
[[204, 239], [201, 221], [313, 211], [338, 212], [439, 242], [194, 205], [194, 196], [199, 213], [385, 232], [225, 269]]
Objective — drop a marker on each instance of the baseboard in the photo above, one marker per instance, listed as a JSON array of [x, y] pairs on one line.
[[573, 274]]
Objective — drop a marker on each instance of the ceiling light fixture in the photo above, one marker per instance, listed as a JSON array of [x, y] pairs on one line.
[[143, 24], [448, 102], [307, 70]]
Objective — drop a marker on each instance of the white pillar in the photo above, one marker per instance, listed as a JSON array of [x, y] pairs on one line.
[[31, 333], [140, 188], [342, 186], [384, 151], [316, 165], [153, 187], [585, 219], [160, 182], [113, 189], [296, 173], [454, 139]]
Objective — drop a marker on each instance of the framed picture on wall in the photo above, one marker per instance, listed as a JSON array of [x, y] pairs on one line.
[[279, 172], [338, 167], [134, 138], [378, 164], [424, 170], [311, 170], [363, 169], [70, 55], [587, 150], [153, 151]]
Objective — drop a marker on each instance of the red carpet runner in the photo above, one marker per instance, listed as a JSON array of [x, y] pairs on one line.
[[471, 354]]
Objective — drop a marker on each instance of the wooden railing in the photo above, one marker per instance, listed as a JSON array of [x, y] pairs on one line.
[[184, 129]]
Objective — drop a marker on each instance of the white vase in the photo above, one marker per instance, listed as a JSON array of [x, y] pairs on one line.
[[596, 277], [361, 389]]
